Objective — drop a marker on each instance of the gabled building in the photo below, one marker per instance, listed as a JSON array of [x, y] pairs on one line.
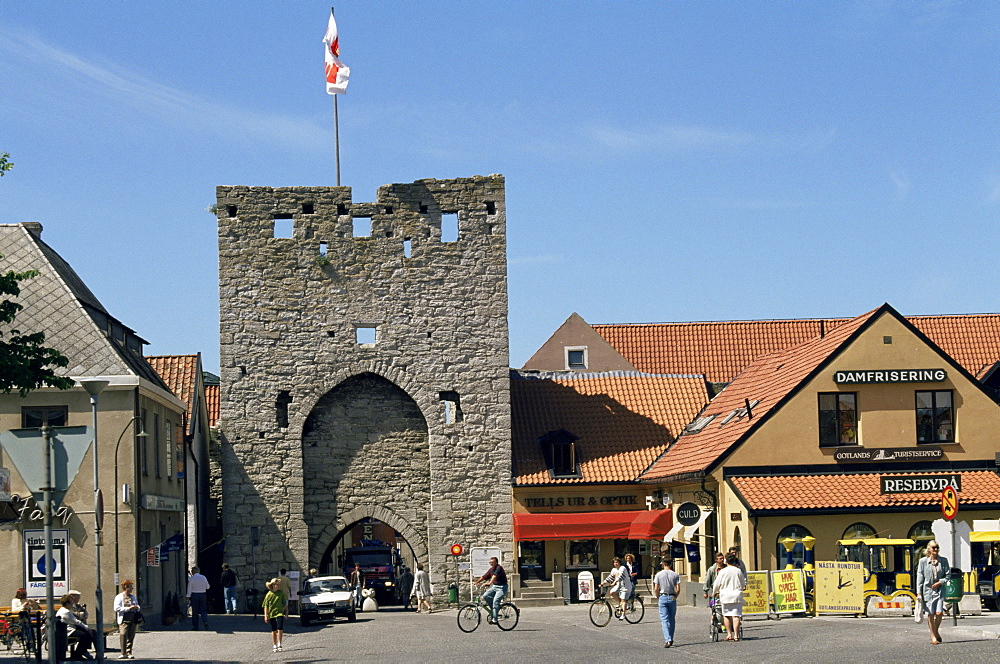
[[139, 424], [838, 437], [184, 375], [580, 443]]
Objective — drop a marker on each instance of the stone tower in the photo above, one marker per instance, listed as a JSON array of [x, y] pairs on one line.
[[364, 369]]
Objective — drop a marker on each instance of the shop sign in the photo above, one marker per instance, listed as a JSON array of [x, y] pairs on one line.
[[35, 563], [755, 595], [162, 503], [153, 556], [874, 455], [581, 501], [919, 483], [789, 591], [839, 587], [890, 376], [688, 514], [29, 510]]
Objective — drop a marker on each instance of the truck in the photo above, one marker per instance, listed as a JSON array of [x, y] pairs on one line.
[[381, 567]]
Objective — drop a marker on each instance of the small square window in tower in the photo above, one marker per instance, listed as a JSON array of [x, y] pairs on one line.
[[561, 454], [366, 335], [452, 407], [576, 358]]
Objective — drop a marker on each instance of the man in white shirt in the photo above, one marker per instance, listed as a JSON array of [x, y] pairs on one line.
[[197, 595]]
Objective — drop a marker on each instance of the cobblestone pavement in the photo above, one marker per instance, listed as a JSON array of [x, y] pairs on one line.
[[565, 634]]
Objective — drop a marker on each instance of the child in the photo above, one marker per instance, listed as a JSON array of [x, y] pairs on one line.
[[274, 611]]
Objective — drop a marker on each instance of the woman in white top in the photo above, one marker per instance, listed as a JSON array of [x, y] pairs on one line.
[[127, 611], [728, 587], [75, 627], [22, 603], [621, 584]]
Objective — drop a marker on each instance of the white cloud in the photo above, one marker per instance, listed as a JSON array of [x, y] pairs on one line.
[[167, 103], [901, 181], [674, 138]]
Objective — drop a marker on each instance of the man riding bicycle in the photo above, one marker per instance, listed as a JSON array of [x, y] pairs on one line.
[[496, 579]]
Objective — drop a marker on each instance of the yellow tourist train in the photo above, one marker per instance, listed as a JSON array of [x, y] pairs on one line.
[[890, 570]]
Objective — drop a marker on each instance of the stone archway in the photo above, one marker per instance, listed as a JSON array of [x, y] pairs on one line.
[[322, 541], [365, 453]]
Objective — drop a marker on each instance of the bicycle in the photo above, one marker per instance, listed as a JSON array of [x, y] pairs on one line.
[[601, 609], [17, 636], [470, 614]]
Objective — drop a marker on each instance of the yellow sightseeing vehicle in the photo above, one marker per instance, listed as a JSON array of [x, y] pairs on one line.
[[986, 566], [889, 568]]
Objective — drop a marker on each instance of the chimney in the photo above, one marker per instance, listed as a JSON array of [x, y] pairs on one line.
[[33, 227]]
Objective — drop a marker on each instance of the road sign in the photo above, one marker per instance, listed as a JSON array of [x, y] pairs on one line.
[[456, 549], [99, 510], [949, 503]]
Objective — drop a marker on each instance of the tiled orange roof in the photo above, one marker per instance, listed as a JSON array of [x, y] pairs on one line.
[[796, 492], [767, 381], [179, 372], [622, 420], [213, 399], [721, 350]]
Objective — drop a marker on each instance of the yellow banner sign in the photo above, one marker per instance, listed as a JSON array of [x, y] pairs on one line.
[[839, 587], [755, 596], [789, 591]]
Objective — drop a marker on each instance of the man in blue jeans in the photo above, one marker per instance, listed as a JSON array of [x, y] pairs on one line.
[[496, 579], [666, 587]]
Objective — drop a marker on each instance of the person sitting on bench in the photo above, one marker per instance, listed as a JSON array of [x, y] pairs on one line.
[[76, 629]]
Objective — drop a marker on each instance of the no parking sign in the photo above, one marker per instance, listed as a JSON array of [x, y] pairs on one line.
[[35, 563]]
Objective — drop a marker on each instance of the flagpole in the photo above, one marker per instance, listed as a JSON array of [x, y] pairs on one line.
[[336, 136]]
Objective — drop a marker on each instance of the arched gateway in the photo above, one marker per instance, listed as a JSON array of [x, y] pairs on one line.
[[364, 373]]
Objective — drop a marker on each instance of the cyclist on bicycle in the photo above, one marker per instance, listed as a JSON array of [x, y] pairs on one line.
[[621, 585], [496, 579]]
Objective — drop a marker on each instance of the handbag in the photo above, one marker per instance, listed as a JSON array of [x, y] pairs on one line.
[[918, 610]]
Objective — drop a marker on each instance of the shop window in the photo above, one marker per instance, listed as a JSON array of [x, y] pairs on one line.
[[35, 417], [921, 534], [582, 554], [795, 555], [838, 418], [531, 559], [935, 416], [858, 531], [156, 444], [561, 454]]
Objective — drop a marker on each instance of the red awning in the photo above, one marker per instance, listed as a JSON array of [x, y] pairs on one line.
[[645, 524]]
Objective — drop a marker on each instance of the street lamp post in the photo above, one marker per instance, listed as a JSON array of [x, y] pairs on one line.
[[50, 601], [118, 497], [94, 387]]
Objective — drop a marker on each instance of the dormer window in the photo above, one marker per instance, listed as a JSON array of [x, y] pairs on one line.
[[561, 454], [576, 358]]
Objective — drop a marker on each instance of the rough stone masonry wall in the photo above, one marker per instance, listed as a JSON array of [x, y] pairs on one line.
[[307, 411]]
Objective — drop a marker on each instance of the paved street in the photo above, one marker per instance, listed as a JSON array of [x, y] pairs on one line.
[[565, 634]]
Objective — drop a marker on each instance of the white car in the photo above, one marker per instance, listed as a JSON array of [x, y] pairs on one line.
[[324, 598]]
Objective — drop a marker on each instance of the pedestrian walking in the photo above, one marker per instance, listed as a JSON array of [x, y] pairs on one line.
[[739, 561], [358, 584], [230, 581], [633, 571], [713, 571], [422, 588], [127, 613], [286, 586], [197, 594], [729, 585], [932, 570], [275, 609], [666, 587], [406, 586]]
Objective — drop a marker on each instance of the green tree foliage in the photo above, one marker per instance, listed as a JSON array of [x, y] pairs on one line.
[[25, 364], [5, 164]]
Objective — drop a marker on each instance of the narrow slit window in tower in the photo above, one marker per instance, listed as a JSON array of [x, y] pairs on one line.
[[281, 408]]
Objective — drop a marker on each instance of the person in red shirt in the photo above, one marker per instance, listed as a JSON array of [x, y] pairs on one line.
[[496, 579]]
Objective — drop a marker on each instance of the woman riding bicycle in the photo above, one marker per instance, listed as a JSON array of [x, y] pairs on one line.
[[620, 585]]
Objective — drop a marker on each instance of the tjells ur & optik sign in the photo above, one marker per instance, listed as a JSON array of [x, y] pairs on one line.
[[890, 376]]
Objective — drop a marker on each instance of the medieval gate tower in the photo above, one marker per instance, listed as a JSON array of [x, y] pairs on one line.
[[364, 370]]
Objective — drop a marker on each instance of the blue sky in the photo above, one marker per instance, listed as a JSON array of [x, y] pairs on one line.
[[665, 161]]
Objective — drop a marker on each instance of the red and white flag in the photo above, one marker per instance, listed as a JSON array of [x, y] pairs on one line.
[[337, 72]]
